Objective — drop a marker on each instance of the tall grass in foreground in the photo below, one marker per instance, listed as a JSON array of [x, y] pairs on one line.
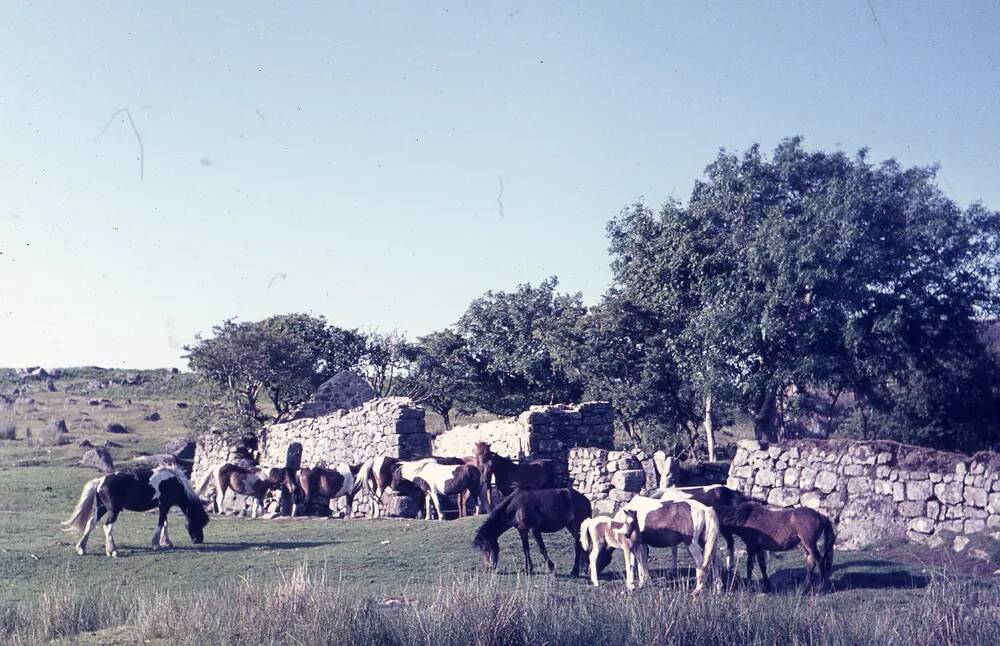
[[301, 607]]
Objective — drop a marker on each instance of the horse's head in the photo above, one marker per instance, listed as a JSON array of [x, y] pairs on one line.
[[489, 548], [281, 478], [197, 518], [482, 453], [631, 522]]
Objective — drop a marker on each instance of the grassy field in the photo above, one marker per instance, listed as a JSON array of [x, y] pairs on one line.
[[394, 581]]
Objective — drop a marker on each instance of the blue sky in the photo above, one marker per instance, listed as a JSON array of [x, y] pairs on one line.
[[346, 159]]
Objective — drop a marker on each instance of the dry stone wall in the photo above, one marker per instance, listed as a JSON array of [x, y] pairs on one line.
[[541, 432], [877, 490], [392, 426], [611, 478]]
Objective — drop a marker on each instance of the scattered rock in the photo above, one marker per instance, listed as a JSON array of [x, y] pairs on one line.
[[112, 445], [180, 448], [94, 402], [85, 444], [98, 458], [182, 404], [51, 386], [58, 426], [152, 417], [115, 427], [24, 401]]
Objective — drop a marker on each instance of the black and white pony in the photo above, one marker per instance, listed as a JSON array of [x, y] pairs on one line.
[[139, 489]]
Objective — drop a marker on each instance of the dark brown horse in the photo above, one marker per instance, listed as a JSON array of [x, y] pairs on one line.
[[779, 530], [510, 475], [538, 511], [256, 483], [329, 483]]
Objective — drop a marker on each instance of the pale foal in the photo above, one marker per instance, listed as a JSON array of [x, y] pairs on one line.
[[604, 531]]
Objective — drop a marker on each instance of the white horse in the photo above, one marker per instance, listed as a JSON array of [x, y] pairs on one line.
[[437, 480], [604, 531]]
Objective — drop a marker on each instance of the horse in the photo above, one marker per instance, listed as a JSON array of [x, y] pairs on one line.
[[604, 531], [536, 511], [137, 489], [779, 530], [379, 474], [715, 496], [535, 474], [247, 482], [329, 483], [665, 523], [436, 480]]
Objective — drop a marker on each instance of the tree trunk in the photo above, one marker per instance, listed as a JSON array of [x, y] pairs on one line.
[[763, 421], [446, 417], [709, 427]]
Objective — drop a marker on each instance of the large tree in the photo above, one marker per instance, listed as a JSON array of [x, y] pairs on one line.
[[811, 269], [284, 357], [439, 374], [506, 336]]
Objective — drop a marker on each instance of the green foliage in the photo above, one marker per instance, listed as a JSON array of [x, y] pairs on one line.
[[284, 357], [440, 374], [386, 360], [509, 340], [811, 270]]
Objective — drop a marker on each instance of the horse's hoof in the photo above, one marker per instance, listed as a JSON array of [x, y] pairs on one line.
[[167, 545], [81, 551], [113, 554]]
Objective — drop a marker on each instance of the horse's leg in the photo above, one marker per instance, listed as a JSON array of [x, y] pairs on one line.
[[528, 566], [629, 561], [699, 571], [579, 555], [437, 502], [427, 506], [159, 529], [109, 527], [350, 505], [165, 537], [463, 501], [594, 551], [731, 550], [812, 559], [99, 509], [762, 563], [537, 533]]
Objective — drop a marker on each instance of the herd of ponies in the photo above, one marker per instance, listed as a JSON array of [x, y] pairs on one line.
[[695, 517]]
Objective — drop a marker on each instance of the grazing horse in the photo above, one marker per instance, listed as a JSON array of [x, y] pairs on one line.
[[605, 532], [779, 530], [139, 489], [715, 496], [536, 511], [248, 482], [535, 474], [665, 523], [437, 480], [329, 483]]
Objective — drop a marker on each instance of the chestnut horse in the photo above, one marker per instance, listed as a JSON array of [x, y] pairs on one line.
[[536, 511], [256, 483], [778, 530]]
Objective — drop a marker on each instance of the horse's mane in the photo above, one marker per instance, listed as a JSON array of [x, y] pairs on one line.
[[736, 515], [495, 524]]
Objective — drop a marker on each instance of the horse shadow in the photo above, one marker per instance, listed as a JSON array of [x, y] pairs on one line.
[[238, 547]]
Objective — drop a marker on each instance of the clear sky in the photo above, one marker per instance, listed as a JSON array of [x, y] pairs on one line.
[[347, 159]]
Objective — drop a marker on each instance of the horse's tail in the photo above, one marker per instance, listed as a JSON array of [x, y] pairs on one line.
[[585, 533], [826, 566], [84, 509], [712, 531], [365, 476]]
